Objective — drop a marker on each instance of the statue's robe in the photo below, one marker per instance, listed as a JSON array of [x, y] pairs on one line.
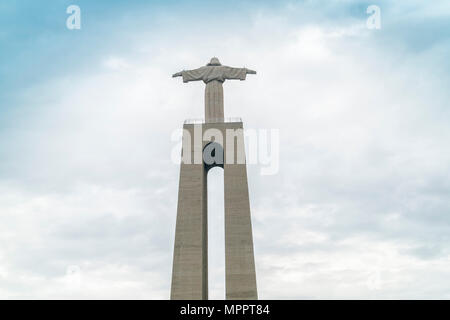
[[214, 76]]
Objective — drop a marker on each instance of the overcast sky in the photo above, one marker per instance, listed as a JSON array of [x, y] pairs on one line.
[[360, 206]]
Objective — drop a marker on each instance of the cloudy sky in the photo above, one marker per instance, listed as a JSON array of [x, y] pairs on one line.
[[360, 205]]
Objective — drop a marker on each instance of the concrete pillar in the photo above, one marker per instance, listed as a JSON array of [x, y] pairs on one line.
[[190, 258], [239, 257]]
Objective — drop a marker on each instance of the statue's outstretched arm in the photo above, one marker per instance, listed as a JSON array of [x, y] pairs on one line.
[[236, 73], [191, 75]]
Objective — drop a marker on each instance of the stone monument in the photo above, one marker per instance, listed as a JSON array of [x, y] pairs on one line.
[[190, 259]]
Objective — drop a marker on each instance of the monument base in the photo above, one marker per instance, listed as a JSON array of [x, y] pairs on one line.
[[190, 262]]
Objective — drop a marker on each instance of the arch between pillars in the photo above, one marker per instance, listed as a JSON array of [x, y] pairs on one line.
[[216, 233], [213, 156]]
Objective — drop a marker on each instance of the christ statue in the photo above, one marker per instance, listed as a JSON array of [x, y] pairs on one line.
[[213, 75]]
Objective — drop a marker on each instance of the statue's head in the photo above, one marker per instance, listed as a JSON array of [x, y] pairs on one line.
[[214, 62]]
